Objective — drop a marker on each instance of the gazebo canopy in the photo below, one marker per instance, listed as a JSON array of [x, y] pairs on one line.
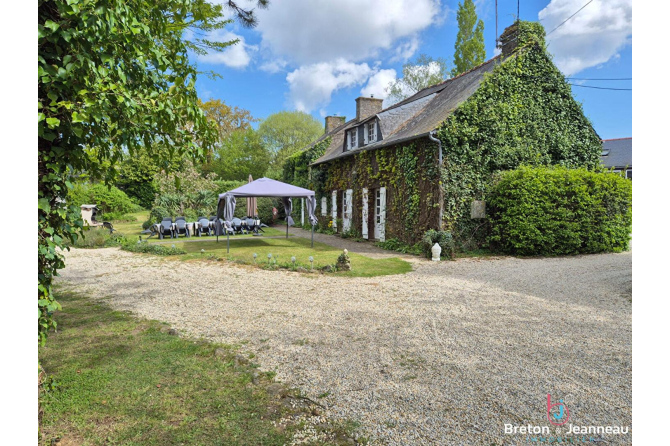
[[266, 187]]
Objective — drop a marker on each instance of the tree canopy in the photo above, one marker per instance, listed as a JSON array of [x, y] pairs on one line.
[[113, 77], [239, 155], [423, 72], [286, 132], [469, 47]]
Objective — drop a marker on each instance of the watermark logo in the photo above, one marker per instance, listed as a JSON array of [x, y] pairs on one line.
[[557, 413], [562, 431]]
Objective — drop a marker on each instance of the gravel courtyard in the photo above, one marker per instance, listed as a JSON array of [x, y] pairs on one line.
[[446, 354]]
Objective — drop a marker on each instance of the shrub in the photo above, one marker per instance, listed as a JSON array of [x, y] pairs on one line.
[[394, 244], [442, 238], [98, 238], [107, 198], [150, 248], [558, 211]]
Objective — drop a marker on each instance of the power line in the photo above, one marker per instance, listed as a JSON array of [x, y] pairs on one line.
[[601, 88], [600, 79], [569, 17]]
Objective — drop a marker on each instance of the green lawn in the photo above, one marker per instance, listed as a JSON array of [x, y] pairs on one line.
[[124, 381], [118, 380], [243, 247]]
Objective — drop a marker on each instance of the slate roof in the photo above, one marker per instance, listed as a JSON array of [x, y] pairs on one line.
[[617, 153], [415, 116]]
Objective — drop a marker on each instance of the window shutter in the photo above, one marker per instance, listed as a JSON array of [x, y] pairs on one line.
[[382, 214], [365, 133], [346, 217], [364, 226], [324, 206], [348, 147], [374, 126], [334, 209]]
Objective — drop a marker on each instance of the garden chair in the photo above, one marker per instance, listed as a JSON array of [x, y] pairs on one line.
[[166, 228], [251, 225], [181, 228], [237, 226], [203, 226]]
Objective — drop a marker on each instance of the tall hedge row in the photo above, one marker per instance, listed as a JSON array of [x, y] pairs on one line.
[[559, 211]]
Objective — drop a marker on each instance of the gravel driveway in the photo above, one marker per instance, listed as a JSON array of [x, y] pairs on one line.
[[447, 354]]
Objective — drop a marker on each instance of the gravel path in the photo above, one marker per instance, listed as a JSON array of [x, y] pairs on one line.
[[447, 354]]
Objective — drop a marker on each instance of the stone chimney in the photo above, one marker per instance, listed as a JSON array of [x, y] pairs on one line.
[[509, 40], [366, 107], [333, 122]]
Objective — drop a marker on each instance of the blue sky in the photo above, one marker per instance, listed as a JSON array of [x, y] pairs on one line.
[[318, 56]]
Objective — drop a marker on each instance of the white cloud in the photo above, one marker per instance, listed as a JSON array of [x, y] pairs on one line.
[[311, 86], [274, 66], [406, 50], [378, 83], [592, 37], [234, 56], [308, 31]]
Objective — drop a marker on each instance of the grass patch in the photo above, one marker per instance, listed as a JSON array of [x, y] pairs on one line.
[[119, 380], [282, 249]]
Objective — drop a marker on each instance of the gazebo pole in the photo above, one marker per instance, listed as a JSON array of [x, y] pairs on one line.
[[312, 236], [286, 227], [227, 241]]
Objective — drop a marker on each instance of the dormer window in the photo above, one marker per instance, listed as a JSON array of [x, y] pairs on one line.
[[370, 132], [352, 139]]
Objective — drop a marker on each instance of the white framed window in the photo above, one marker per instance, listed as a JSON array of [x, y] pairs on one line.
[[353, 138], [371, 132], [629, 174]]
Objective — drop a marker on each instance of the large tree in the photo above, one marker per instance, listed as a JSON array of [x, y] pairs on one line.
[[239, 155], [286, 132], [469, 47], [113, 76], [423, 72], [227, 120]]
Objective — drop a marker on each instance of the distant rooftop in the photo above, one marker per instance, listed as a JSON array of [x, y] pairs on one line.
[[617, 153]]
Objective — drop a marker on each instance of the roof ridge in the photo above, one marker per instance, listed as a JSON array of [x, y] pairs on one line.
[[617, 139], [444, 82], [471, 69]]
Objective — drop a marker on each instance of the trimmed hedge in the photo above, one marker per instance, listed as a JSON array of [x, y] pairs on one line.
[[559, 211]]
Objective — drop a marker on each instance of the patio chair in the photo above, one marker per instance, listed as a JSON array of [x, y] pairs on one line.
[[203, 227], [251, 225], [237, 226], [166, 228], [181, 227]]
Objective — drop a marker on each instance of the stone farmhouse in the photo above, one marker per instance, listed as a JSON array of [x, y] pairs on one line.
[[427, 161]]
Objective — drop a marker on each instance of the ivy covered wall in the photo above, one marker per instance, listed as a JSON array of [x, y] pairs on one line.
[[296, 167], [410, 174], [523, 113]]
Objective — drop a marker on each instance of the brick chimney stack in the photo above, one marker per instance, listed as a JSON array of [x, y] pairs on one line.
[[333, 122], [366, 107]]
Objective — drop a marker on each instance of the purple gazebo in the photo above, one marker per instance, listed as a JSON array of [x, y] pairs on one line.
[[266, 187]]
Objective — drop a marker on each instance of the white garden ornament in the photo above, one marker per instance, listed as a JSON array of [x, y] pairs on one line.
[[436, 250]]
